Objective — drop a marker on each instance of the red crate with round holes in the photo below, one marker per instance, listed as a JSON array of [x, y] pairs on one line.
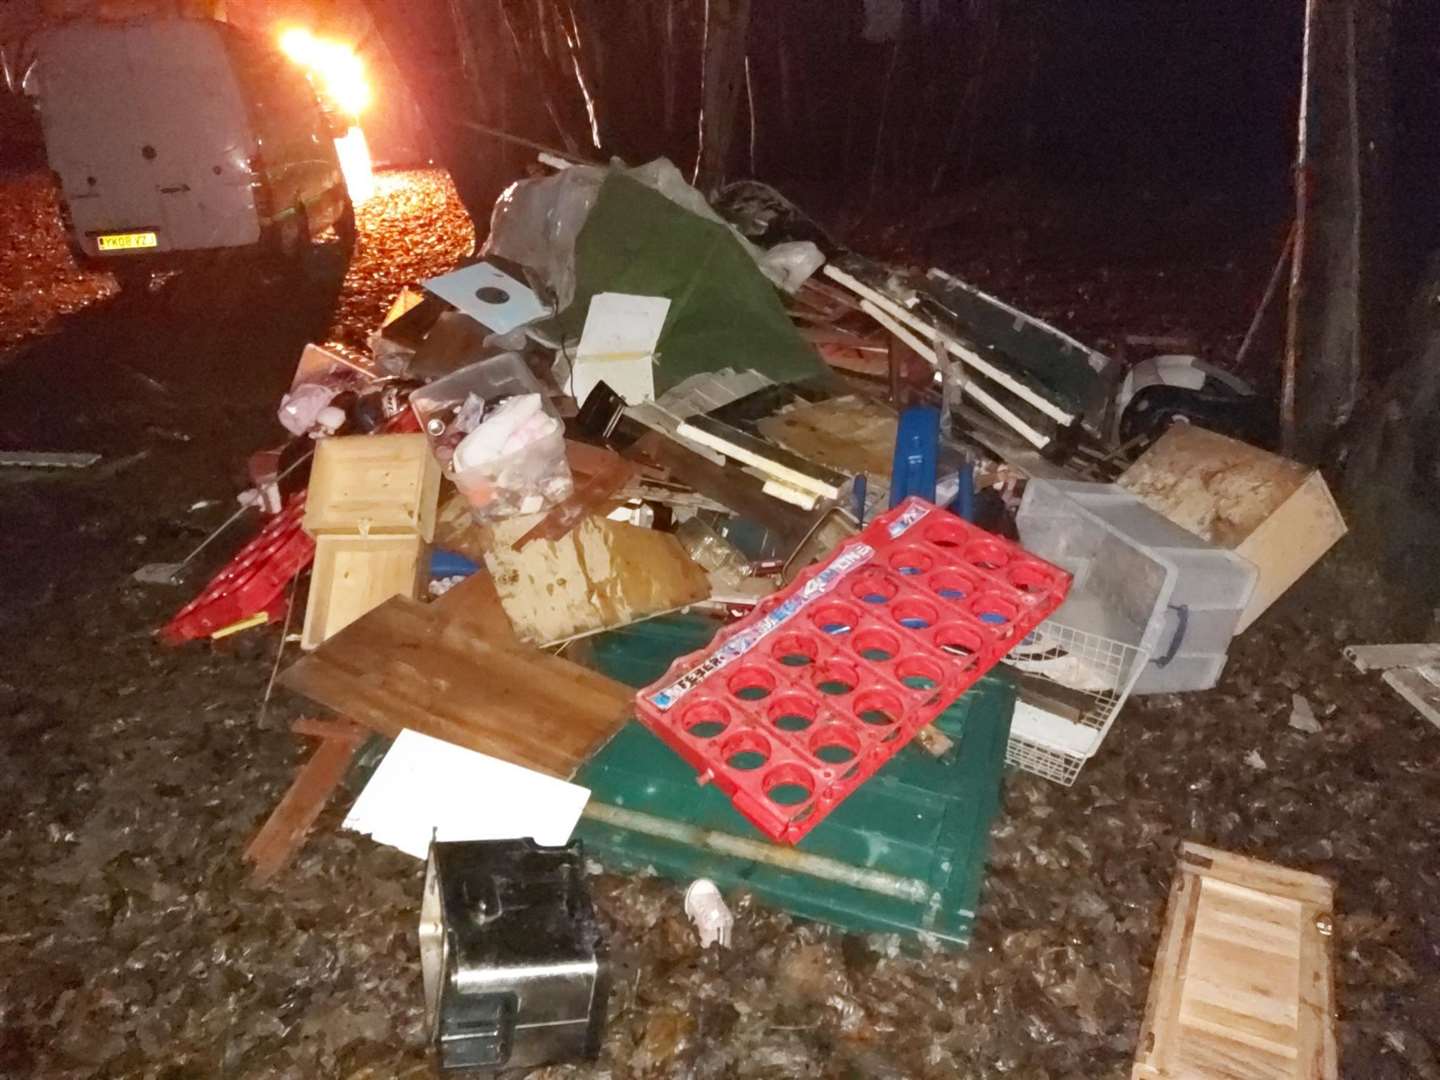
[[792, 708], [252, 582]]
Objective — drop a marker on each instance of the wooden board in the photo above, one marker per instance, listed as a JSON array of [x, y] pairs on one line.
[[849, 434], [1242, 983], [1274, 512], [413, 665], [602, 574], [373, 484], [774, 461], [355, 574]]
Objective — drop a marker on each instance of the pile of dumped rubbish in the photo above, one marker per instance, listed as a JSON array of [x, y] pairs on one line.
[[679, 538]]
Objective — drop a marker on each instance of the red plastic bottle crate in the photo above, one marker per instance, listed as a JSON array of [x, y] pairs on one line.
[[792, 708], [253, 581]]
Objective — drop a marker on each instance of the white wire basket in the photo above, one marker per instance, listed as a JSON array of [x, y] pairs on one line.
[[1095, 672]]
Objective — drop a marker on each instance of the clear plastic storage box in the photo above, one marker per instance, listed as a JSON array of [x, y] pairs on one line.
[[1139, 579]]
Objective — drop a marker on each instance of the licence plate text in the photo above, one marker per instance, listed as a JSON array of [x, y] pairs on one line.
[[127, 241]]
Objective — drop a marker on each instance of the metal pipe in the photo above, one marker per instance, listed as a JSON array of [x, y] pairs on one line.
[[785, 858]]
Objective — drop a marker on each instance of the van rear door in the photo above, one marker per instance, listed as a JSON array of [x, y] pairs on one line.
[[146, 127]]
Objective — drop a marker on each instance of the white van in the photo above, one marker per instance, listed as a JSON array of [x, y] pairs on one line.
[[172, 137]]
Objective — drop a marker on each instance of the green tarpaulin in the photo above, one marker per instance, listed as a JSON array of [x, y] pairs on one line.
[[723, 313]]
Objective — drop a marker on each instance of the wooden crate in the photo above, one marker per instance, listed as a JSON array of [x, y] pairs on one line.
[[1273, 512], [1242, 982], [356, 574], [373, 485]]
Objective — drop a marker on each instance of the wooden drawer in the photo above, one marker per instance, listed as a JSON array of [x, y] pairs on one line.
[[373, 485], [355, 574], [1242, 982]]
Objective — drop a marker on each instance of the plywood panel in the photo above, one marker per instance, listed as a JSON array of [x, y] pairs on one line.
[[1242, 985]]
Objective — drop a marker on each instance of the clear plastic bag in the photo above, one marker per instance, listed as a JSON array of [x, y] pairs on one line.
[[513, 463]]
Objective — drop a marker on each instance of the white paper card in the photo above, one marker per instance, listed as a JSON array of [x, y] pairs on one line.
[[617, 346], [427, 786]]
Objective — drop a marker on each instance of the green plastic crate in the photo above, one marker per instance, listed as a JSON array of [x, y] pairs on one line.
[[905, 853]]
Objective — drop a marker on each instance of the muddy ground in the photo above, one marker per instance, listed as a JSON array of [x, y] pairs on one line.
[[132, 775]]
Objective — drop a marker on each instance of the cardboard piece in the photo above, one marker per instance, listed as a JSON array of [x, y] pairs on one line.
[[1273, 512], [428, 787]]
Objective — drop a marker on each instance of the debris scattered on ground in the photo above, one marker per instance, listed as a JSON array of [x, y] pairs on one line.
[[1302, 715], [520, 432]]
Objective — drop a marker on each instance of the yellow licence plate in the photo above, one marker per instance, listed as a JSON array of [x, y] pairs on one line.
[[128, 241]]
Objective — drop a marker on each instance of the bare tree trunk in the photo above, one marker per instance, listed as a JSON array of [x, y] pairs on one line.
[[727, 31], [1322, 345]]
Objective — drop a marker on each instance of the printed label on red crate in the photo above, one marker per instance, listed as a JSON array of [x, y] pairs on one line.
[[792, 708]]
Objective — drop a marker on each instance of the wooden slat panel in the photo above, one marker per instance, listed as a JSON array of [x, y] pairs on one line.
[[1242, 987]]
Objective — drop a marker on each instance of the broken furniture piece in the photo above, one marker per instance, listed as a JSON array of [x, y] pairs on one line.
[[1412, 671], [1242, 984], [904, 854], [1275, 513], [513, 959], [371, 509]]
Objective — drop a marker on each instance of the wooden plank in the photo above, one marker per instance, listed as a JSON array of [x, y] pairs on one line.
[[602, 574], [873, 299], [743, 494], [417, 666], [354, 574], [775, 461], [1242, 984], [284, 831]]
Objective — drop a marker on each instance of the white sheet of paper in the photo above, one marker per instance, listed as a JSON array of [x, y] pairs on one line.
[[617, 346], [426, 786]]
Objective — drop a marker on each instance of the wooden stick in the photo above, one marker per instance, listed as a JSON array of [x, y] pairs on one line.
[[284, 831], [1270, 289]]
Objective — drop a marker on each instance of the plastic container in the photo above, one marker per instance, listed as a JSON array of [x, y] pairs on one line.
[[1139, 580], [492, 380]]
